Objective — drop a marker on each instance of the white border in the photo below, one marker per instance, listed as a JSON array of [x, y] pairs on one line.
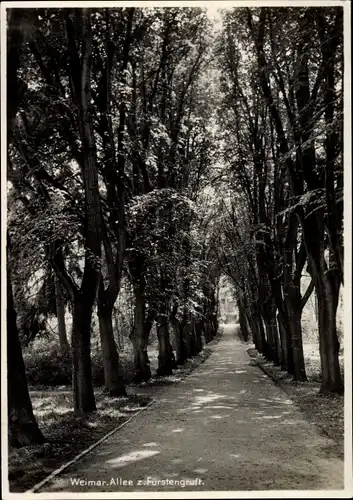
[[348, 489], [347, 295], [221, 4], [4, 427]]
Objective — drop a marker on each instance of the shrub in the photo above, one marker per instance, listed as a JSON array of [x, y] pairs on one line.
[[47, 366]]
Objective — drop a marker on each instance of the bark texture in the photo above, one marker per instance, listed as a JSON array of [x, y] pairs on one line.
[[23, 427]]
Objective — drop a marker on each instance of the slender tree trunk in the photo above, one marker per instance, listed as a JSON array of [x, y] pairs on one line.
[[23, 427], [327, 285], [297, 345], [114, 382], [120, 343], [269, 341], [255, 332], [198, 336], [60, 314], [84, 298], [294, 315], [275, 335], [262, 337], [282, 319], [290, 312], [283, 331], [207, 330], [291, 292], [272, 336], [84, 401], [214, 313], [187, 340], [180, 345], [329, 346], [258, 332], [179, 341], [139, 337], [289, 342], [242, 321], [166, 360], [263, 343], [189, 336], [316, 307]]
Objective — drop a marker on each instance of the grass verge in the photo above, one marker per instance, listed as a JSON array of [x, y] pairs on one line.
[[327, 412]]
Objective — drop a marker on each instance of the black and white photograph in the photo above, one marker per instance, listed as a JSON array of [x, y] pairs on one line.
[[176, 249]]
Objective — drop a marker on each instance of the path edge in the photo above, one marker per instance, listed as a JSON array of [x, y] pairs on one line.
[[263, 369], [58, 471], [277, 382]]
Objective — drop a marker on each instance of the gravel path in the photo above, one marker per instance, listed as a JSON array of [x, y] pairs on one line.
[[224, 427]]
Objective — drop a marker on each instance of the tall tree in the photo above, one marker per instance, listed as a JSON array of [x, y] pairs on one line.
[[23, 427]]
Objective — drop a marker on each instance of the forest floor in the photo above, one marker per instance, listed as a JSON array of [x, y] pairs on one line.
[[227, 426], [68, 435]]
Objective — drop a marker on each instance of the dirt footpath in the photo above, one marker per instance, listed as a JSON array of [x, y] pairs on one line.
[[224, 427]]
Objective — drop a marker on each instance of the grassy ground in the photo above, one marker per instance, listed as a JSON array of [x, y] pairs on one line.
[[66, 434], [327, 412]]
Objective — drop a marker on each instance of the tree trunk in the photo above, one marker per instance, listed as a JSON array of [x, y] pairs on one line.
[[114, 383], [292, 300], [294, 309], [273, 332], [60, 314], [289, 341], [316, 307], [84, 401], [23, 428], [207, 331], [264, 346], [198, 336], [179, 341], [166, 360], [297, 365], [255, 333], [120, 343], [84, 298], [329, 345], [180, 345], [189, 336], [327, 283], [269, 341], [283, 332], [242, 321], [139, 337], [214, 324], [262, 335], [297, 346]]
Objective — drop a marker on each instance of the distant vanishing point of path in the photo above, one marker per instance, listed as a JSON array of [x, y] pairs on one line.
[[227, 426]]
